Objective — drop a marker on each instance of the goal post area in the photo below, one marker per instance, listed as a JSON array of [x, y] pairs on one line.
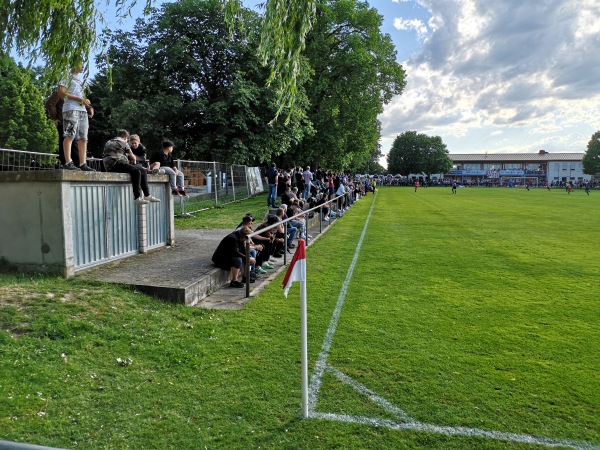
[[515, 181]]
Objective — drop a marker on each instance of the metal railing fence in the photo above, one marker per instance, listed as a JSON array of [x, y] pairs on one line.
[[338, 202], [18, 161], [208, 184]]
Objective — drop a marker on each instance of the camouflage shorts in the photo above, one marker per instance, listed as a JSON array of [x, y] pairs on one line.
[[75, 125]]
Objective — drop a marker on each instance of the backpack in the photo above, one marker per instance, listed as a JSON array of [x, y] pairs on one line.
[[54, 104]]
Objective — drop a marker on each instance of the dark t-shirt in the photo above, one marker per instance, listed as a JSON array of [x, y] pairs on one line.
[[163, 158], [272, 175]]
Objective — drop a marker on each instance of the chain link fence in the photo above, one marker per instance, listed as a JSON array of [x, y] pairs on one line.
[[207, 184]]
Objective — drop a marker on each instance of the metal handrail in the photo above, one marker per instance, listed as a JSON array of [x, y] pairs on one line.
[[285, 222]]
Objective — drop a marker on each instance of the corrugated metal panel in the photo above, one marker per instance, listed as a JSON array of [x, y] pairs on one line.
[[122, 221], [156, 218], [89, 224]]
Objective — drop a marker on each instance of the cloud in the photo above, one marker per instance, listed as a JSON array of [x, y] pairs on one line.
[[411, 25], [518, 73]]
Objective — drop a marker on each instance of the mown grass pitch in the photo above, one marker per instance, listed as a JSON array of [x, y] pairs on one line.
[[475, 313]]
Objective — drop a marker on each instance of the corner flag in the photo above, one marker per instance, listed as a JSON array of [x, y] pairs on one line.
[[297, 269], [297, 272]]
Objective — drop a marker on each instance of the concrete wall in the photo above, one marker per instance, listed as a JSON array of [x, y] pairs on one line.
[[36, 217]]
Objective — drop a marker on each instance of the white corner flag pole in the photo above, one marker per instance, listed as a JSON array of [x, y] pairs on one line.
[[297, 272], [304, 348]]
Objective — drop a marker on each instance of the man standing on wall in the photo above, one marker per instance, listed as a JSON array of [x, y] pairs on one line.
[[75, 118], [271, 178]]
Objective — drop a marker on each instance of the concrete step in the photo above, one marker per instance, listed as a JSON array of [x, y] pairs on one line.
[[184, 273]]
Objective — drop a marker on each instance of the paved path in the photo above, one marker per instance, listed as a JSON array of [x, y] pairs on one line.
[[168, 272]]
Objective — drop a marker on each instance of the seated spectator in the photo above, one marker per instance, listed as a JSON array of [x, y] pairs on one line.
[[291, 230], [298, 222], [164, 161], [117, 158], [255, 249], [140, 152], [322, 202], [228, 256], [286, 198], [267, 238]]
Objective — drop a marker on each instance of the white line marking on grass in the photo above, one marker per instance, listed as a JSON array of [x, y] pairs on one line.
[[455, 431], [388, 406], [315, 381], [406, 422]]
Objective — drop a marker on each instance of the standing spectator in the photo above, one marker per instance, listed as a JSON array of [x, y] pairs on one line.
[[54, 105], [118, 158], [299, 180], [308, 177], [74, 118], [271, 178], [164, 161]]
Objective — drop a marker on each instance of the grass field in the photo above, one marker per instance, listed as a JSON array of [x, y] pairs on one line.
[[435, 321]]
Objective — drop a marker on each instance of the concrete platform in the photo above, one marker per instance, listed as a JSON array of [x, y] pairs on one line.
[[184, 273]]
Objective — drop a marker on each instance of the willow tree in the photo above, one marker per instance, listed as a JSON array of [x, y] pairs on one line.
[[61, 32]]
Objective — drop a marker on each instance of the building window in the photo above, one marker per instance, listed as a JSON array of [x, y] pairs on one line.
[[472, 166]]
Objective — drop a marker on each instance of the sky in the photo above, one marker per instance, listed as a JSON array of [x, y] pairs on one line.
[[508, 76], [496, 76]]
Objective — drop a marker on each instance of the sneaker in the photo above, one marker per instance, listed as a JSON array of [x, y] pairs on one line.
[[155, 171], [236, 284], [69, 166], [182, 193], [291, 245], [152, 199], [267, 266], [140, 201], [325, 219], [176, 193], [252, 280], [260, 270], [309, 236], [86, 168]]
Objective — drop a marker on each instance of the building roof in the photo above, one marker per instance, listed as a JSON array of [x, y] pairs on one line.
[[516, 157]]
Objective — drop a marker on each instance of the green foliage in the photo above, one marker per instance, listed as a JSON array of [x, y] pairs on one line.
[[591, 159], [59, 33], [354, 73], [23, 121], [283, 39], [180, 75], [414, 152]]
